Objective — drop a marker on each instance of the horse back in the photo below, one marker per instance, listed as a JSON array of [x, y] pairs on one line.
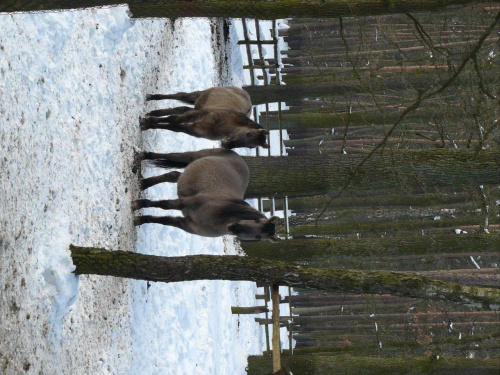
[[225, 98], [218, 175]]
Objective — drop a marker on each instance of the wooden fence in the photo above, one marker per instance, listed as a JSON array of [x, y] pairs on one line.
[[267, 71]]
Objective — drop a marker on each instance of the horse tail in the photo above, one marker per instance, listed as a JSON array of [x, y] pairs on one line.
[[167, 164]]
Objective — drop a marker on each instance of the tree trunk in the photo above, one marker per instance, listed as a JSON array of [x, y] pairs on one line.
[[397, 341], [406, 217], [305, 249], [242, 8], [340, 120], [371, 348], [321, 174], [347, 365], [484, 339], [400, 227], [97, 261], [326, 299], [283, 93], [341, 308], [375, 200], [321, 85], [319, 319]]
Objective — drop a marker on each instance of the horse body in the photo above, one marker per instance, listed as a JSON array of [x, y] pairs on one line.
[[219, 113], [211, 191], [225, 98]]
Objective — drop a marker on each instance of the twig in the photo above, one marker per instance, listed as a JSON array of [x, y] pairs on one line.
[[483, 227], [426, 39], [481, 83], [421, 98], [355, 71]]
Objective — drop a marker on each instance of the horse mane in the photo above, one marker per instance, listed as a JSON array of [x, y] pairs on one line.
[[240, 209], [253, 124], [245, 120]]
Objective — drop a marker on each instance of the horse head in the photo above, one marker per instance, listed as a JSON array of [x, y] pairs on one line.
[[247, 137], [258, 229]]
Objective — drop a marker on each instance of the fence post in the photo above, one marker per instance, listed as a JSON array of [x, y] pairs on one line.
[[276, 327]]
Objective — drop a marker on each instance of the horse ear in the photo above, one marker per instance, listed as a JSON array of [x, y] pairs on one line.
[[273, 219], [275, 238]]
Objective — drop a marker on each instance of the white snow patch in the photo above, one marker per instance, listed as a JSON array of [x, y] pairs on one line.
[[55, 269], [72, 90]]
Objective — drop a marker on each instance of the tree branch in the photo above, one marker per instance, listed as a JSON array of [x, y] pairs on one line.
[[353, 66], [421, 98]]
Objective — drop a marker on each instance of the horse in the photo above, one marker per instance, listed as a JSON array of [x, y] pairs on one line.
[[210, 195], [219, 113]]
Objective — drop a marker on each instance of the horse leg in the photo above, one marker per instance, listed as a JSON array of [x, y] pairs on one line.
[[146, 126], [167, 177], [174, 221], [179, 128], [186, 117], [186, 97], [182, 159], [169, 111], [164, 122], [168, 204]]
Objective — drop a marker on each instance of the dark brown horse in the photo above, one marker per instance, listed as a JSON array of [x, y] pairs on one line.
[[218, 113], [210, 191]]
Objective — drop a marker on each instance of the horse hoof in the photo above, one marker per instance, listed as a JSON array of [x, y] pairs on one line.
[[143, 184], [154, 113], [153, 97], [136, 205], [143, 123], [137, 221]]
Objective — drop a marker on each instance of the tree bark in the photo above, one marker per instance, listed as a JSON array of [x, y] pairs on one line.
[[375, 200], [396, 226], [301, 86], [347, 365], [339, 120], [304, 175], [354, 349], [318, 318], [283, 93], [305, 249], [97, 261], [242, 8], [324, 299]]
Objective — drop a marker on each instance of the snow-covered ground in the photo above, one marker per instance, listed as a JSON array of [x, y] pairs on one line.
[[72, 87]]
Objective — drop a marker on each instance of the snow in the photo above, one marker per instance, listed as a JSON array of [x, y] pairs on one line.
[[72, 87]]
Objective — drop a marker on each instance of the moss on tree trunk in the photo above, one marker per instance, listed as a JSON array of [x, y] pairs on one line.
[[242, 8], [209, 267], [306, 249], [304, 175], [347, 365]]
